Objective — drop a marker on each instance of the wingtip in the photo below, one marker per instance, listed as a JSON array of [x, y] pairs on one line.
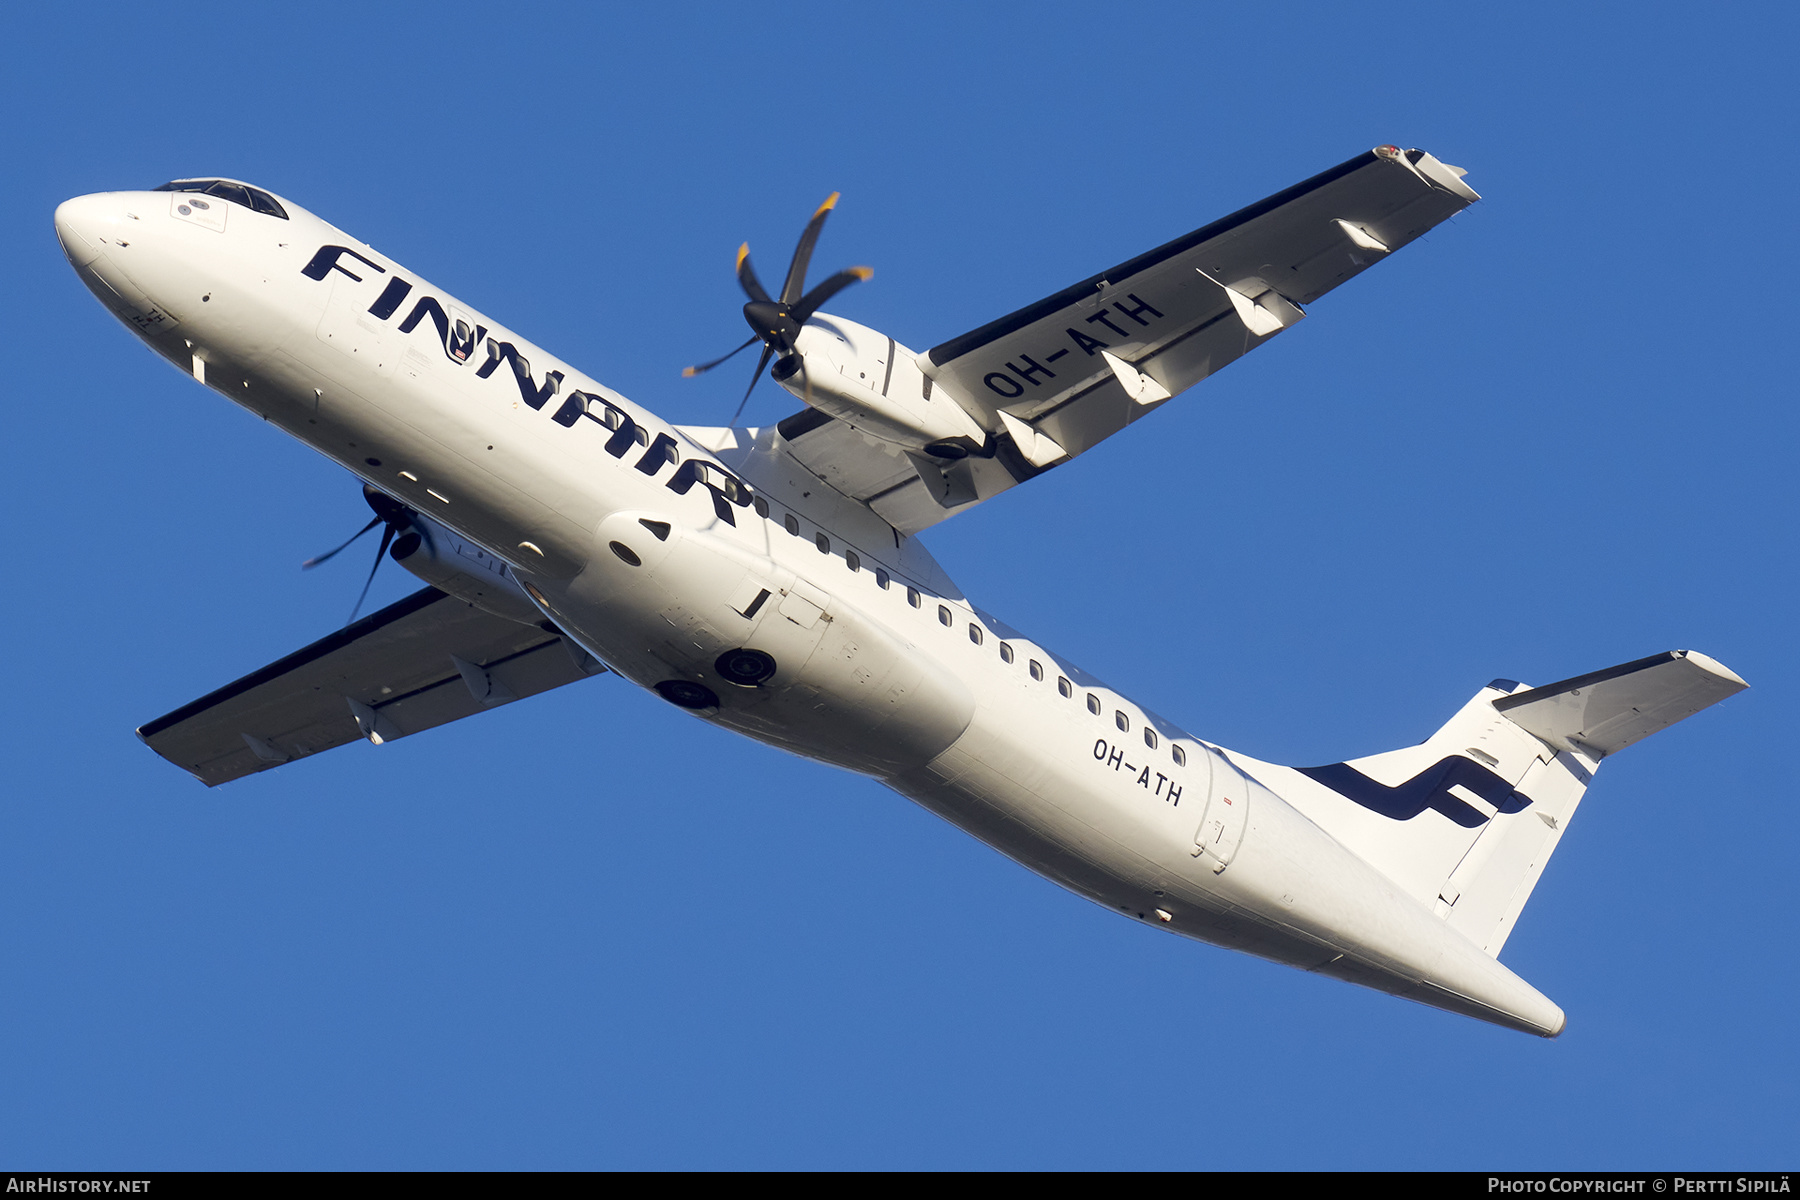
[[1707, 663]]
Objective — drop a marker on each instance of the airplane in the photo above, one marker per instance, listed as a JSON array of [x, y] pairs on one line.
[[771, 580]]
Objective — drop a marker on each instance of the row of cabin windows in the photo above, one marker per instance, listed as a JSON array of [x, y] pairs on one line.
[[1067, 691], [976, 633], [852, 559]]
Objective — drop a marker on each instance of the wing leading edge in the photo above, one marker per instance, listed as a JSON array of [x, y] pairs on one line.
[[1057, 377], [427, 660]]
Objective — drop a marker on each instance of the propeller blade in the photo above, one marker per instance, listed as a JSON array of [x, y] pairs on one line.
[[387, 539], [777, 323], [809, 304], [310, 563], [768, 351], [747, 276], [796, 276], [703, 368]]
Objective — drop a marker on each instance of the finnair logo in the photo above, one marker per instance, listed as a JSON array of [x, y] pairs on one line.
[[456, 332], [461, 337], [1430, 788]]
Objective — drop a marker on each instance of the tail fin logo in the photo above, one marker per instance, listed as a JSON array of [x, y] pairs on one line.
[[1430, 788]]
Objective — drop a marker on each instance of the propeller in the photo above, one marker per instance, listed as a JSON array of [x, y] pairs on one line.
[[388, 512], [776, 321]]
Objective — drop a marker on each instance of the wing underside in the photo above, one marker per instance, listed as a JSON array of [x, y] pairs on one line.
[[422, 662]]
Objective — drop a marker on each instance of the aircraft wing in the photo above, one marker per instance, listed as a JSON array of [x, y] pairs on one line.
[[422, 662], [1056, 377]]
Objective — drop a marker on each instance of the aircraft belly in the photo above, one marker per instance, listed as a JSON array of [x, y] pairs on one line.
[[1047, 838], [1290, 894], [843, 688]]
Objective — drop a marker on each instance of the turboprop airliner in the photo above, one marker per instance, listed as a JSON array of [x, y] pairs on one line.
[[771, 580]]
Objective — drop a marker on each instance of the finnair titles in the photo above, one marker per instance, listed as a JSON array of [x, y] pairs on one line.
[[772, 580]]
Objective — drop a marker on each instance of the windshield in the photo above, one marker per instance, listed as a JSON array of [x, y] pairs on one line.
[[251, 198]]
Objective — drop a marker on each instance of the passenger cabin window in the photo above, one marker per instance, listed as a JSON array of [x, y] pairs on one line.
[[762, 506], [793, 524], [1093, 704], [881, 578], [912, 596], [852, 561], [1064, 686], [251, 198], [822, 542], [1006, 654], [1149, 737], [943, 615], [975, 633], [1037, 670], [1122, 721], [1179, 753]]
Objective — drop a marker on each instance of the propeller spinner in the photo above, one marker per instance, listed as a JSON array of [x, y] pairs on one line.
[[776, 322]]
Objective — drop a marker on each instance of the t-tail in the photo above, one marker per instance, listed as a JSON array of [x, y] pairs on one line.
[[1465, 821]]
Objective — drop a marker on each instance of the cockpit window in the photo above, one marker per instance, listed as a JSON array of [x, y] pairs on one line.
[[237, 193], [264, 203], [231, 192]]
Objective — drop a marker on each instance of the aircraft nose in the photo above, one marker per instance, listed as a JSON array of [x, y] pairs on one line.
[[82, 222]]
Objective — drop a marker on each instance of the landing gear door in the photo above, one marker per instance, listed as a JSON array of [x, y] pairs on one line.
[[1227, 810]]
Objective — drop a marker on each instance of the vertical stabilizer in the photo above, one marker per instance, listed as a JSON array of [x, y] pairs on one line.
[[1466, 820]]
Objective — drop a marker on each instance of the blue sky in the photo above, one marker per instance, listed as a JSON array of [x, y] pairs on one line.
[[589, 931]]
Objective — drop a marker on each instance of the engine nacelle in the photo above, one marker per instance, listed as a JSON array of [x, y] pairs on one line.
[[463, 569], [868, 380]]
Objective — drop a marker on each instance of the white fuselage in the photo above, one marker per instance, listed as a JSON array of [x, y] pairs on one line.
[[660, 554]]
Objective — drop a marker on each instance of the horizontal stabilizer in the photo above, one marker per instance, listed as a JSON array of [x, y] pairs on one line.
[[425, 661], [1605, 711]]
